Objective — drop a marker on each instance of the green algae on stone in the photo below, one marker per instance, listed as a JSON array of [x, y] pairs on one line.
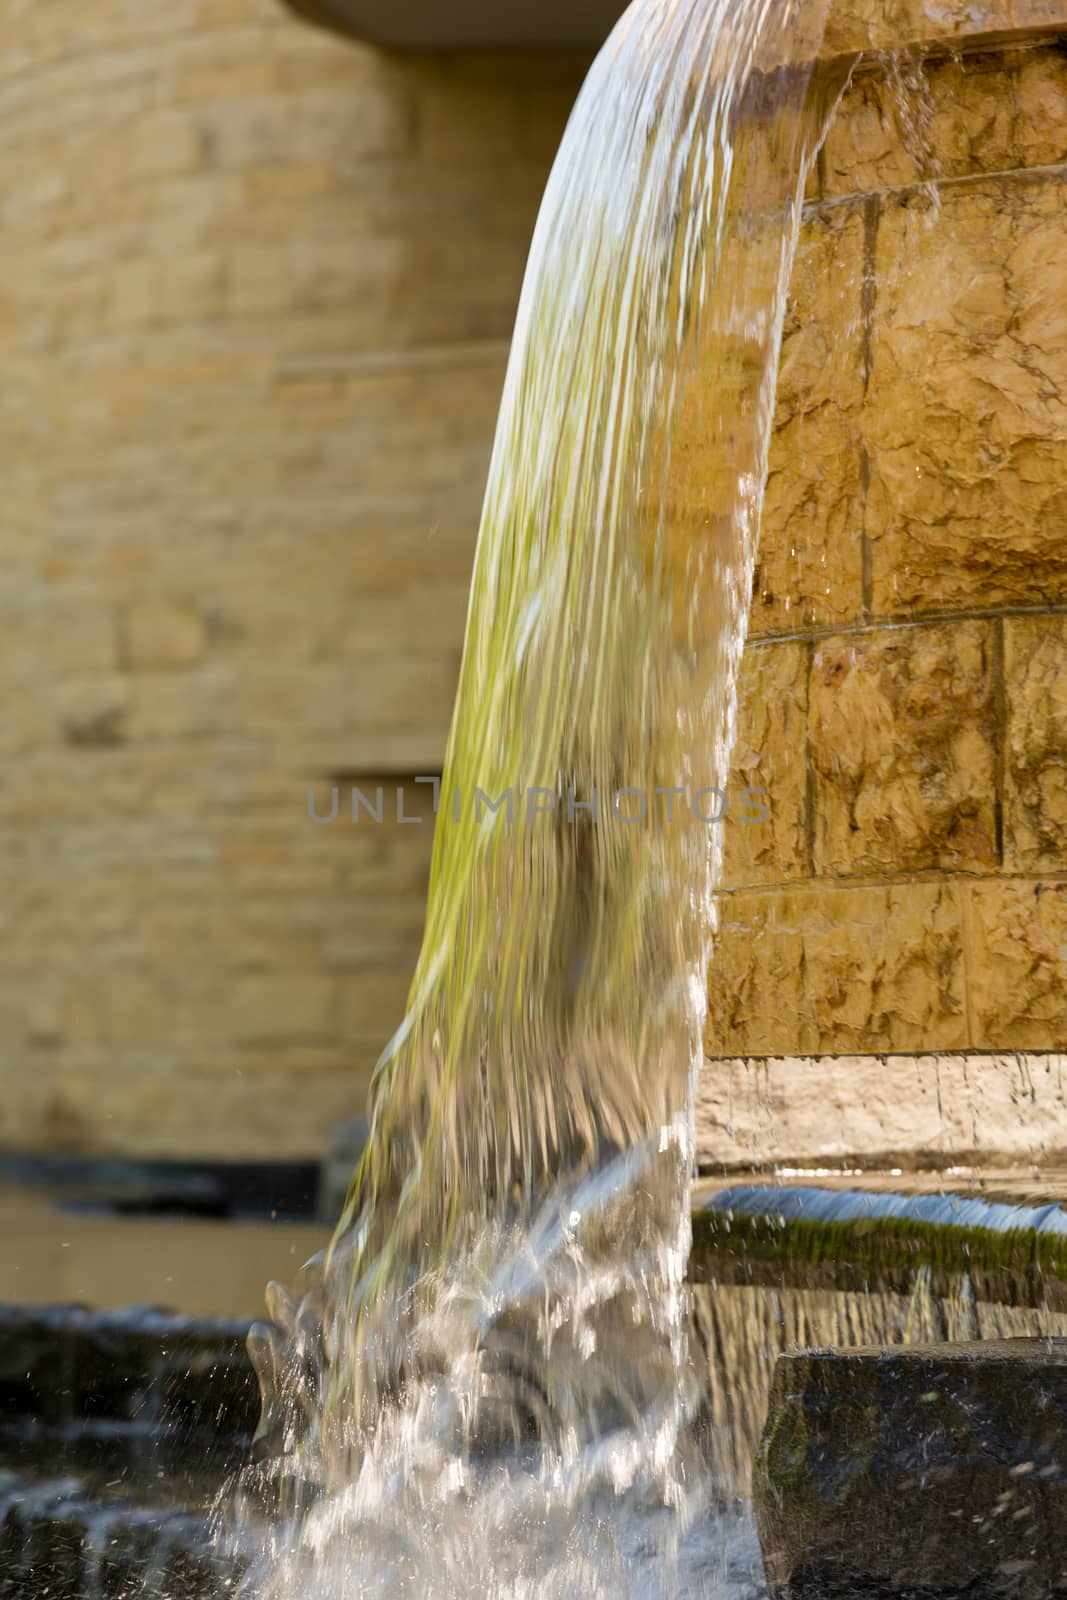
[[1018, 1267]]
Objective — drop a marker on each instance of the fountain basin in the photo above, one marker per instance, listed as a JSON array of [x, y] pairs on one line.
[[118, 1429]]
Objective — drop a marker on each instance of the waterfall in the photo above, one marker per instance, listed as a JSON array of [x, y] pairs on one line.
[[490, 1387]]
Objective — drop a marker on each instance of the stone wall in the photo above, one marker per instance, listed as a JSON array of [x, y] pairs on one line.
[[905, 695], [257, 289], [257, 293]]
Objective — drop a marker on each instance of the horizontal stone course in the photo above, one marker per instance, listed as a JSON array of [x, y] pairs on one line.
[[946, 118], [826, 968], [866, 1111]]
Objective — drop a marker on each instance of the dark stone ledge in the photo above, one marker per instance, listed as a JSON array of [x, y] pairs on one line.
[[926, 1471]]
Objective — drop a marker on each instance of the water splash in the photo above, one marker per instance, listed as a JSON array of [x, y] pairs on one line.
[[491, 1390], [744, 1329]]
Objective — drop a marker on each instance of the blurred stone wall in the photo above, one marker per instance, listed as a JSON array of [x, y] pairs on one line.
[[905, 686], [256, 294]]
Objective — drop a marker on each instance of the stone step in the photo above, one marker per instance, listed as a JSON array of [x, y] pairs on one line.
[[936, 1470]]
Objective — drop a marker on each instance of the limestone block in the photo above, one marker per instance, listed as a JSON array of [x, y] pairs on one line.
[[133, 293], [809, 567], [1035, 756], [373, 695], [871, 1110], [164, 143], [257, 280], [282, 1007], [908, 122], [192, 285], [92, 710], [771, 754], [887, 24], [181, 703], [1017, 965], [63, 624], [373, 1004], [163, 633], [966, 415], [825, 969], [1041, 97], [864, 151], [223, 1108], [903, 750]]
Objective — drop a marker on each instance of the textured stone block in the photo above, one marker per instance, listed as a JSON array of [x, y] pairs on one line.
[[1041, 98], [771, 754], [810, 563], [883, 1110], [903, 750], [1035, 744], [1017, 965], [92, 710], [909, 122], [887, 24], [966, 415], [864, 151], [163, 633], [825, 969], [279, 1006]]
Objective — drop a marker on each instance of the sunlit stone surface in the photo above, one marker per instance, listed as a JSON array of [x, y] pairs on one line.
[[906, 722]]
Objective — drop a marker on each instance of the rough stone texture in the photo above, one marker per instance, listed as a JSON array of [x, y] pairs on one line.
[[930, 1110], [257, 291], [810, 563], [902, 748], [1018, 963], [966, 415], [770, 751], [1035, 758], [918, 469], [946, 118], [838, 970], [886, 24], [930, 1468]]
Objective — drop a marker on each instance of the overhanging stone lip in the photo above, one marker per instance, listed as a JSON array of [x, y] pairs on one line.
[[426, 25], [854, 26]]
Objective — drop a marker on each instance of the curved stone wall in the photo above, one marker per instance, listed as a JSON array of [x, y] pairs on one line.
[[256, 295], [905, 702]]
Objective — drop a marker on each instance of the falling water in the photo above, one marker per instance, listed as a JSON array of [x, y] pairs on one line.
[[490, 1390]]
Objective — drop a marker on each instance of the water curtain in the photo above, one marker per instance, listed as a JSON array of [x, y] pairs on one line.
[[496, 1355]]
